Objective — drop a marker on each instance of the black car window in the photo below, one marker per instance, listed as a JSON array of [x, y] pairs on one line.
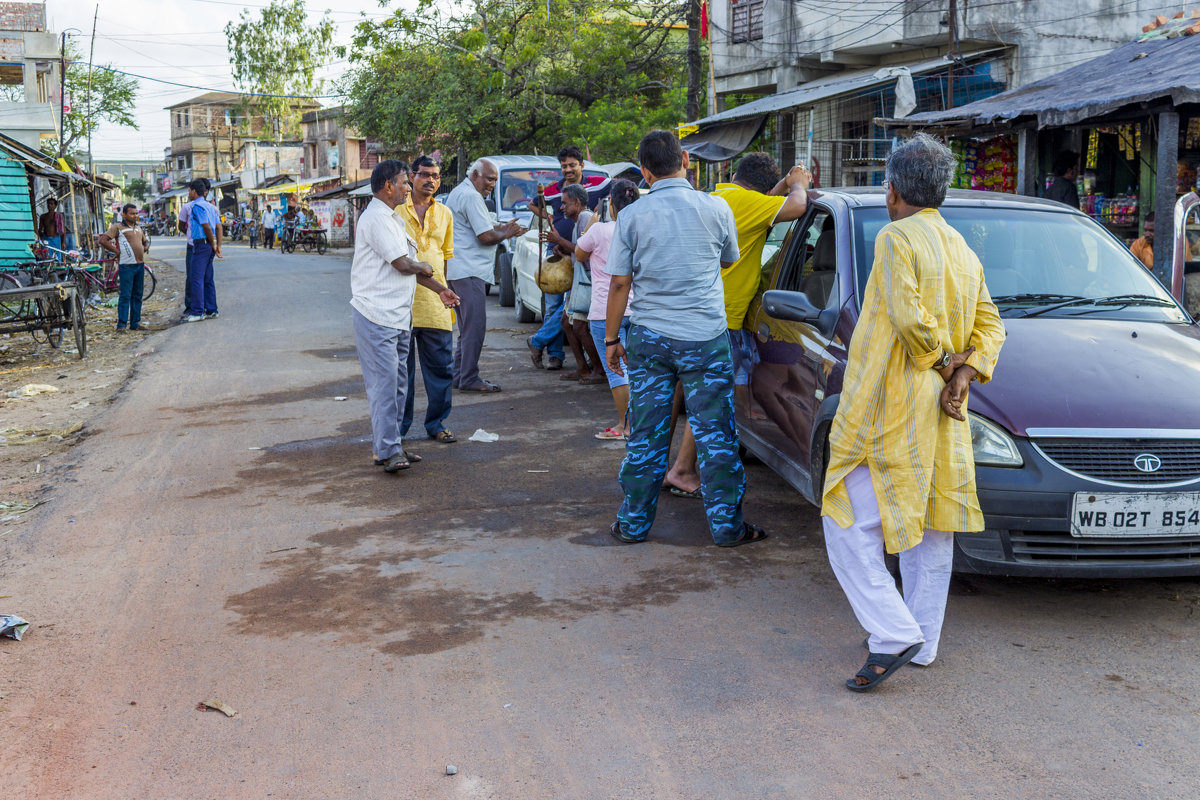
[[812, 263], [1033, 258]]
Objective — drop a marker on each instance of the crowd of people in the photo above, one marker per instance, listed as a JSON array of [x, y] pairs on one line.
[[661, 285]]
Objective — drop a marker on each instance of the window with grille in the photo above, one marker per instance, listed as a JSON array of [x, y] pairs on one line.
[[746, 20]]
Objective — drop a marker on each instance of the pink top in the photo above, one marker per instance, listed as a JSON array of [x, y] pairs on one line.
[[596, 241]]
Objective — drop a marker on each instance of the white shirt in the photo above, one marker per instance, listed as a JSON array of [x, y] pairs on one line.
[[471, 218], [379, 292], [268, 219]]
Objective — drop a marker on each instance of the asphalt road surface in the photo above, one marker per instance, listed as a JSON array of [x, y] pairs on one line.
[[223, 535]]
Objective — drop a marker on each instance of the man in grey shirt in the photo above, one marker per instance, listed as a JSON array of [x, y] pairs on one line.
[[669, 249]]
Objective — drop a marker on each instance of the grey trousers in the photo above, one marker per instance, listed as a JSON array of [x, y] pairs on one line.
[[383, 355], [472, 326]]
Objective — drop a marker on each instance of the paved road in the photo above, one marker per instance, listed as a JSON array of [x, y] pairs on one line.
[[222, 534]]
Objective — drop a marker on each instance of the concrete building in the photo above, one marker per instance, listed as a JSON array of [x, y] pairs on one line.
[[333, 148], [259, 162], [807, 80], [207, 133], [30, 76]]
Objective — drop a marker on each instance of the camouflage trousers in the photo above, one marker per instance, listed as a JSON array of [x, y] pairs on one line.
[[655, 364]]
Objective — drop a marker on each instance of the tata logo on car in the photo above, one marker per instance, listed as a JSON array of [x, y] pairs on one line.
[[1147, 462]]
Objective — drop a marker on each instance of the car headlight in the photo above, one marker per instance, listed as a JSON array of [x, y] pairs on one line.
[[993, 447]]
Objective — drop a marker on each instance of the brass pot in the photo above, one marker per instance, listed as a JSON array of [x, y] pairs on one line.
[[556, 275]]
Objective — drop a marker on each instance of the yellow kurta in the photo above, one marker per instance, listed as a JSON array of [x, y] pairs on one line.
[[926, 293], [435, 246]]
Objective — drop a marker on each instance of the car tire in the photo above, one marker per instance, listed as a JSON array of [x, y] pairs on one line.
[[505, 280], [524, 314]]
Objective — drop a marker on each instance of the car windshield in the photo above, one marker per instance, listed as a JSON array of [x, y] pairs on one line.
[[1041, 263], [518, 186]]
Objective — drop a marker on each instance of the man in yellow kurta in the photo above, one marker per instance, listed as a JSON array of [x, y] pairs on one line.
[[901, 472], [432, 226]]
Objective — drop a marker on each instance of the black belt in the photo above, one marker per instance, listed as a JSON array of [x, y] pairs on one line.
[[198, 241]]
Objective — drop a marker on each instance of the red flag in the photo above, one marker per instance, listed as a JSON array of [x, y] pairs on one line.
[[704, 20]]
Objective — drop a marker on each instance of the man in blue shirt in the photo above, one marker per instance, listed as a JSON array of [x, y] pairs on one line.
[[669, 249], [203, 222]]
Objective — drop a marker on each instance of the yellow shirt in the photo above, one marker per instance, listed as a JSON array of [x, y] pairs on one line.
[[1143, 251], [926, 294], [753, 212], [435, 246]]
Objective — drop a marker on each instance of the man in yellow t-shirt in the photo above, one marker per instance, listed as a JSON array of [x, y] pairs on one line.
[[431, 224], [759, 199]]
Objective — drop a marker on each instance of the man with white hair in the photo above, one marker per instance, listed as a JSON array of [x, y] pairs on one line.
[[901, 474], [476, 237]]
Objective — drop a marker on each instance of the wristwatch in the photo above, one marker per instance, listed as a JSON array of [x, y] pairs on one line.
[[942, 362], [607, 343]]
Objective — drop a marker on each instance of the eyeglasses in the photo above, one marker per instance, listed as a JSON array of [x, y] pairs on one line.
[[434, 175]]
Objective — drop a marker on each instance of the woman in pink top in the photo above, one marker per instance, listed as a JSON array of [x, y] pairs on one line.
[[593, 247]]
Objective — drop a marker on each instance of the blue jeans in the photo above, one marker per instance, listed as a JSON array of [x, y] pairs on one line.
[[201, 289], [550, 335], [656, 364], [132, 280], [597, 326], [436, 349]]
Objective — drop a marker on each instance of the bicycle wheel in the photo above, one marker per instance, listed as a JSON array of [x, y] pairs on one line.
[[306, 244], [50, 311], [12, 308], [78, 325], [322, 244], [149, 283]]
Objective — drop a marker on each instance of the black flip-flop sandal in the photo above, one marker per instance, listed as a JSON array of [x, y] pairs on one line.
[[889, 663], [867, 647], [750, 534], [413, 458], [692, 495], [621, 536]]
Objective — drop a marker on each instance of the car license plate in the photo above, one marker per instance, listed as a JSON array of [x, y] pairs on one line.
[[1127, 514]]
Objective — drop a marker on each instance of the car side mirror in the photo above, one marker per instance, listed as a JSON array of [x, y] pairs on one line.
[[796, 307], [491, 205]]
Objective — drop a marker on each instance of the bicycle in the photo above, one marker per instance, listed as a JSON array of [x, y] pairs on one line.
[[99, 275]]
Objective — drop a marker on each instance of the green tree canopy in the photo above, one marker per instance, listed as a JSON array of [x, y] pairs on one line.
[[277, 55], [112, 97], [137, 189], [503, 76]]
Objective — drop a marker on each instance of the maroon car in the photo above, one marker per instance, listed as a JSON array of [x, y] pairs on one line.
[[1087, 439]]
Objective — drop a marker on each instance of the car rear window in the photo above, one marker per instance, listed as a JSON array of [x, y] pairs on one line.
[[1036, 259]]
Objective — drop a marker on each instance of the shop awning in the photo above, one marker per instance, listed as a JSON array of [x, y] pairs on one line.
[[295, 186], [1154, 70], [724, 135]]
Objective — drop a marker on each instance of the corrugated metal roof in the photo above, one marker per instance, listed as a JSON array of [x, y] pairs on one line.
[[1137, 72]]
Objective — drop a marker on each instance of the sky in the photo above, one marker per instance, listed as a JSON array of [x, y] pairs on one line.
[[176, 40]]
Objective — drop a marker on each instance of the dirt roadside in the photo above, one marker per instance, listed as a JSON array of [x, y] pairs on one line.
[[38, 430]]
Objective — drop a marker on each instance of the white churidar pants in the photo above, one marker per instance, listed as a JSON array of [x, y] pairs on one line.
[[857, 557]]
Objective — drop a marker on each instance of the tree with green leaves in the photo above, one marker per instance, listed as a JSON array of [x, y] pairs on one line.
[[503, 76], [137, 189], [112, 95], [276, 56]]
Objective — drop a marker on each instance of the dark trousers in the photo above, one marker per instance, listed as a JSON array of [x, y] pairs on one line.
[[132, 281], [202, 290], [655, 364], [434, 346], [472, 327], [269, 238], [187, 286]]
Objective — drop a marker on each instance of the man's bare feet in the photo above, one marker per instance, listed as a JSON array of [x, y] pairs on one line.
[[687, 481]]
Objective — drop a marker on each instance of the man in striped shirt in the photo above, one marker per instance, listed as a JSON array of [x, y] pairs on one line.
[[384, 276], [901, 472]]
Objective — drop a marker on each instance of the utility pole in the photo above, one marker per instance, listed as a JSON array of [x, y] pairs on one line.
[[91, 58], [693, 60], [951, 51], [62, 95]]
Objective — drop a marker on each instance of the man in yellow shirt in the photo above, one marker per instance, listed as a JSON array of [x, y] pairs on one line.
[[901, 470], [1143, 247], [432, 225], [759, 199]]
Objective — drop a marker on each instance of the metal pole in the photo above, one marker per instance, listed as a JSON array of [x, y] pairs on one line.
[[91, 57], [62, 95], [808, 154]]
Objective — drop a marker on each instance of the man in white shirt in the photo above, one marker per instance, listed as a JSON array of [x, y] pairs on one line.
[[383, 278], [470, 271], [268, 227]]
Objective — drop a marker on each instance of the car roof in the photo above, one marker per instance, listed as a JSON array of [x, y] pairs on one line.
[[869, 196], [534, 162]]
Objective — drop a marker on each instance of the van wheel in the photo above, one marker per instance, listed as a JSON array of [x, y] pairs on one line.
[[505, 280]]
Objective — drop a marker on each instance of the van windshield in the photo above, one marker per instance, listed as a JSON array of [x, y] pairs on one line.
[[1041, 263], [519, 186]]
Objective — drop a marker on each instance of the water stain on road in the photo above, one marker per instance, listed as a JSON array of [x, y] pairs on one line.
[[320, 391], [409, 589]]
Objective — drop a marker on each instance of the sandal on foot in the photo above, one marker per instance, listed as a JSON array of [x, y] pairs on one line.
[[621, 536], [594, 378], [867, 647], [413, 458], [610, 434], [889, 663], [396, 463], [750, 533], [692, 495], [444, 436]]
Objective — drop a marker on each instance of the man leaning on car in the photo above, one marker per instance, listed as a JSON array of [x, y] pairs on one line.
[[901, 474]]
